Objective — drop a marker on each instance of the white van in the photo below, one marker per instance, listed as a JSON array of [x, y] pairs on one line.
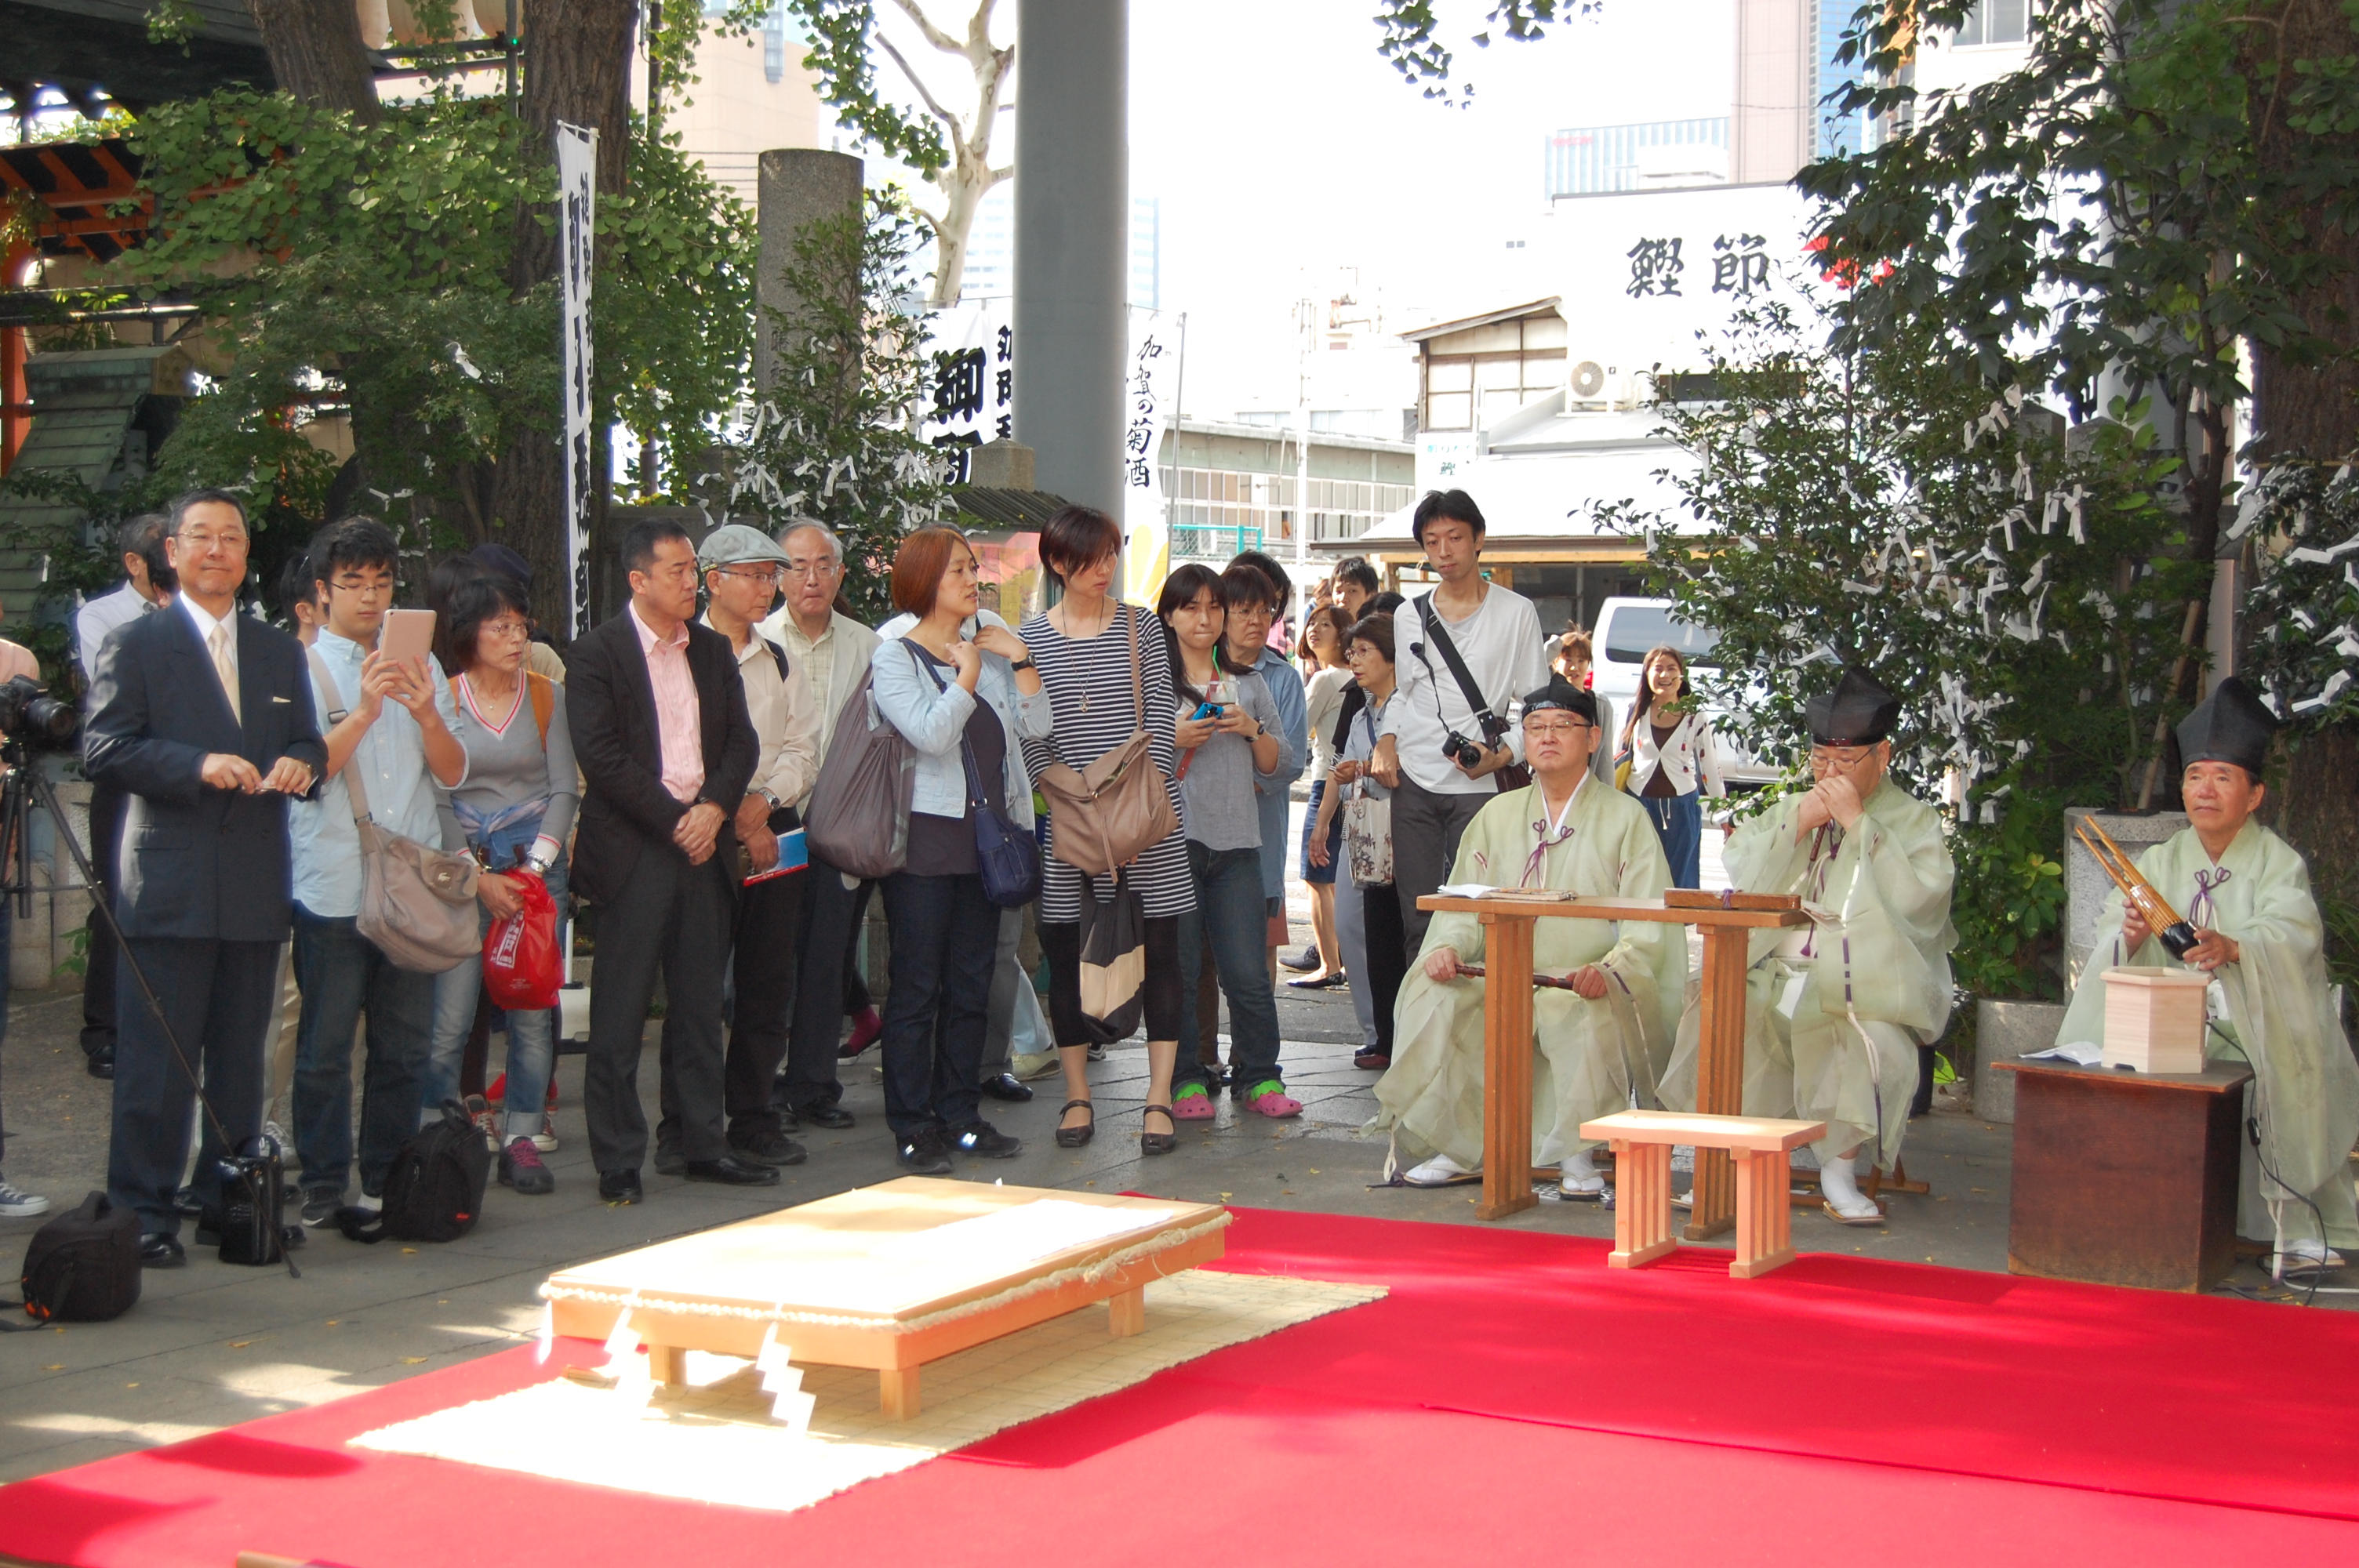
[[1625, 630]]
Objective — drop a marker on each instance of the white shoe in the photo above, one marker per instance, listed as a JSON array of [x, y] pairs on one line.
[[14, 1204], [1846, 1203], [1438, 1171], [1029, 1065], [2297, 1258], [277, 1136], [1579, 1178], [546, 1138]]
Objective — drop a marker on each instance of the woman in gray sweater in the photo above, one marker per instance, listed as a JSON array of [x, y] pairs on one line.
[[517, 807]]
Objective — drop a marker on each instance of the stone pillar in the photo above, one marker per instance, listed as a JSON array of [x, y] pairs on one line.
[[1072, 244], [2086, 884], [798, 186]]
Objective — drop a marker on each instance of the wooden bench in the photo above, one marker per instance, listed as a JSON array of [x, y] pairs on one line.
[[1642, 1140]]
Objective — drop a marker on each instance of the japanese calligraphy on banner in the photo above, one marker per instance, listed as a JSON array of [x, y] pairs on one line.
[[1147, 378], [972, 396], [577, 188]]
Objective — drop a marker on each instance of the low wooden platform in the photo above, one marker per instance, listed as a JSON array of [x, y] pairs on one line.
[[1642, 1142], [888, 1277]]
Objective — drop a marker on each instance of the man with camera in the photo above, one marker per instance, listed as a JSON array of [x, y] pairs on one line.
[[203, 717], [1467, 650], [147, 584]]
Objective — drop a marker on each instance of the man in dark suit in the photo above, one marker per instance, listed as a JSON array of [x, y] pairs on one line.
[[203, 717], [661, 733]]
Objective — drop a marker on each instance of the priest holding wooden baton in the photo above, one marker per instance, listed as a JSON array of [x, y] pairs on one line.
[[1836, 1010], [2257, 933], [1600, 1044]]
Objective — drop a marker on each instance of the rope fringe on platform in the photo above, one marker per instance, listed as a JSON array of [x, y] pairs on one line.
[[1090, 1273]]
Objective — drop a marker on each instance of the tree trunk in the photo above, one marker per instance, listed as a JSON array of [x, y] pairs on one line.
[[577, 69], [316, 53]]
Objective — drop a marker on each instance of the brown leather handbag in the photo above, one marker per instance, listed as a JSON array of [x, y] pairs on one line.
[[1106, 815]]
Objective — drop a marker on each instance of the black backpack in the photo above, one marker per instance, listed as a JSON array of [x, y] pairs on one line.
[[435, 1189], [83, 1266]]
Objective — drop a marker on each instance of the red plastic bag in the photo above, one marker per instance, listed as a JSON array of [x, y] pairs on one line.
[[521, 969]]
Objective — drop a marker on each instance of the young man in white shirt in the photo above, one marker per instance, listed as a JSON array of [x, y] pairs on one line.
[[1497, 635], [741, 570], [391, 718]]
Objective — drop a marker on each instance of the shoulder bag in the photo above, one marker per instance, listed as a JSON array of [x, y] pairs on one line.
[[1004, 856], [1106, 815], [418, 903], [1514, 776], [859, 816]]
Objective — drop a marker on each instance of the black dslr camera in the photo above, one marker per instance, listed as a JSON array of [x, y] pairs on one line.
[[30, 713], [1468, 753]]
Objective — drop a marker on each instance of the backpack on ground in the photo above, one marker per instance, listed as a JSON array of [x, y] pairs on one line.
[[435, 1190], [83, 1266]]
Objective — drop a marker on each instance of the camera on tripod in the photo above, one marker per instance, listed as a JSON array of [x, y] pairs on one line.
[[30, 713]]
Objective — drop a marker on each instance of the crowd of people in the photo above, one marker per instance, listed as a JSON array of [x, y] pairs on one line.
[[659, 772]]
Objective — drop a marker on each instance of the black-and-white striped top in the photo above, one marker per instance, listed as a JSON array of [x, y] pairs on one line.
[[1088, 687]]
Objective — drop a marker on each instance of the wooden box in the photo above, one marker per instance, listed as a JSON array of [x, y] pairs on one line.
[[2154, 1018]]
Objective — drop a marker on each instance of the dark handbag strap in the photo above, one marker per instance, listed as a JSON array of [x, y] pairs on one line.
[[975, 798], [1440, 634]]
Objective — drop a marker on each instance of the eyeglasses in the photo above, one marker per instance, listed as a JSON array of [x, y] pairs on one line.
[[821, 567], [517, 630], [1822, 758], [767, 576], [207, 541], [1566, 727]]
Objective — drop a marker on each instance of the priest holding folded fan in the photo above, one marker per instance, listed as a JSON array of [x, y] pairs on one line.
[[1836, 1010], [2246, 894], [1600, 1045]]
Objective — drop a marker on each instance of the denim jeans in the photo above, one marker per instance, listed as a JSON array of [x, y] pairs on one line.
[[945, 938], [342, 975], [1233, 918], [532, 1036], [1678, 823]]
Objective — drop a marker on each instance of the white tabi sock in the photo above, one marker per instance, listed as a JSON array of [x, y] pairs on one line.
[[1579, 1173], [1841, 1186]]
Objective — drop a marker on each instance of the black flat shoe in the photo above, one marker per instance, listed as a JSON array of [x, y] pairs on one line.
[[101, 1062], [1323, 983], [776, 1148], [158, 1250], [620, 1188], [731, 1172], [834, 1117], [1007, 1087], [925, 1155], [1305, 960], [1074, 1137], [982, 1138], [1157, 1142]]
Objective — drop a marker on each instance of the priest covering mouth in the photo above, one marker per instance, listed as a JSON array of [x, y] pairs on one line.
[[1600, 1046], [1836, 1010], [2259, 936]]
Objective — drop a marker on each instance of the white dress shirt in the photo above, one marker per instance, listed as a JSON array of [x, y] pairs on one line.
[[786, 720], [99, 618]]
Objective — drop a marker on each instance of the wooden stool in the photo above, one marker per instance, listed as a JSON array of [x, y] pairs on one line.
[[1642, 1140]]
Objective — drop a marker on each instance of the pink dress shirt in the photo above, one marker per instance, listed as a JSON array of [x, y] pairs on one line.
[[677, 716]]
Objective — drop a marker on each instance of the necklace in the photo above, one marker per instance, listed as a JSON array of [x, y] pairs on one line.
[[1074, 635]]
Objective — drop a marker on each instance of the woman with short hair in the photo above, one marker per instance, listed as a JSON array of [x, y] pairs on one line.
[[1084, 644], [1574, 660], [948, 695]]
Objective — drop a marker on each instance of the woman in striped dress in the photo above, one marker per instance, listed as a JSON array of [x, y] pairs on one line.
[[1078, 647]]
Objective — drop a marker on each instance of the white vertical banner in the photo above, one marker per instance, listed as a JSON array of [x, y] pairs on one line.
[[971, 396], [577, 198], [1147, 397]]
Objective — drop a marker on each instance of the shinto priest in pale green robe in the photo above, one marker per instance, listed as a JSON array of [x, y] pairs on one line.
[[2271, 1004], [1835, 1012], [1591, 1057]]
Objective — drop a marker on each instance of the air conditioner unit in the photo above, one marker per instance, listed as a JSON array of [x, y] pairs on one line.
[[1588, 381]]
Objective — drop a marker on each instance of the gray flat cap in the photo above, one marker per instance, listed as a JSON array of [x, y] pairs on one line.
[[732, 543]]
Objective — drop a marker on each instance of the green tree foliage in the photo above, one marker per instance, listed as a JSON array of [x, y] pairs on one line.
[[837, 442], [2017, 588], [1409, 35]]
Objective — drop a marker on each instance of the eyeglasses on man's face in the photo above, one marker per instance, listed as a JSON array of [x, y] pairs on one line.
[[767, 576], [1557, 728]]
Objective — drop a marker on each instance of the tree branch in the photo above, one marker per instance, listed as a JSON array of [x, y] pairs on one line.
[[933, 34], [958, 127]]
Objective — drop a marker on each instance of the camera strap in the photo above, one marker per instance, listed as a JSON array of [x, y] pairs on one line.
[[1484, 719]]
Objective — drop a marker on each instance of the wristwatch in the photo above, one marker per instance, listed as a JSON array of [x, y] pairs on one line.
[[775, 802], [1024, 664]]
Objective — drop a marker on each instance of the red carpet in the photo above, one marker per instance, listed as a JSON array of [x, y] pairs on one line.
[[1512, 1396]]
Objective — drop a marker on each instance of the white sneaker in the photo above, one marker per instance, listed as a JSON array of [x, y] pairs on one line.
[[14, 1204], [1438, 1171], [278, 1136], [1029, 1065], [546, 1138]]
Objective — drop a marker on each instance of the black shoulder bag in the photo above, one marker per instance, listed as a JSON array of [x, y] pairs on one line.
[[1514, 776]]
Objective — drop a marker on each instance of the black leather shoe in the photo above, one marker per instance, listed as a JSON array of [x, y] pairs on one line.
[[670, 1164], [185, 1203], [834, 1117], [620, 1188], [101, 1062], [774, 1149], [925, 1154], [1007, 1086], [731, 1172], [160, 1251]]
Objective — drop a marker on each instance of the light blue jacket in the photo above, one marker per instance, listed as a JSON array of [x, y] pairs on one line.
[[933, 721], [1293, 729]]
